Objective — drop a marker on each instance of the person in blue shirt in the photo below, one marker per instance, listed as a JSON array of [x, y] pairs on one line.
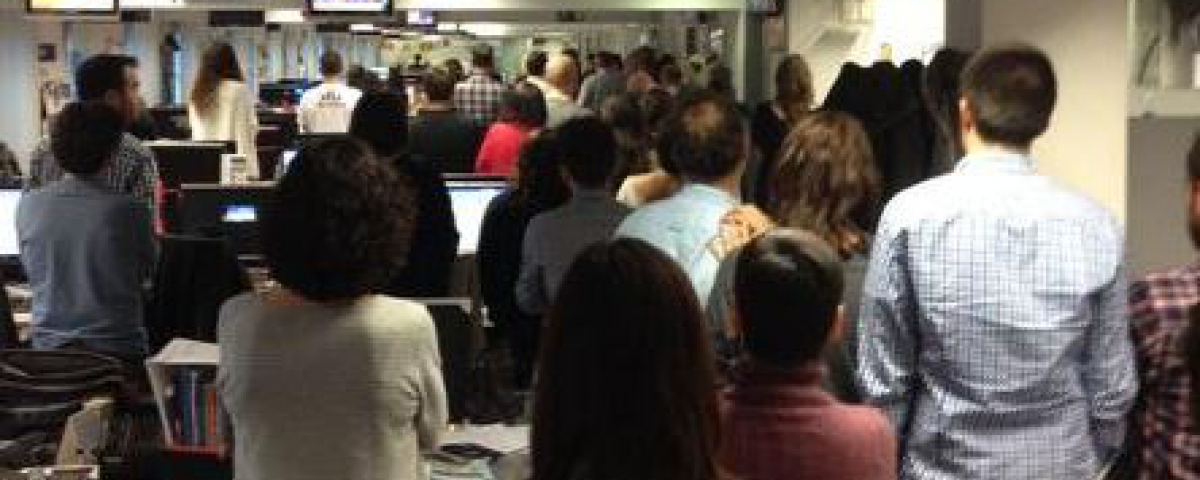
[[88, 250], [709, 149]]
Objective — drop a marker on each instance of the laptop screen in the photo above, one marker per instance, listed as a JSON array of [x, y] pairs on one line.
[[470, 201], [9, 244]]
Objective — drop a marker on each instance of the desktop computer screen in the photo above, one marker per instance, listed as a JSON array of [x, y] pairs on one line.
[[181, 162], [10, 246], [470, 201], [231, 212]]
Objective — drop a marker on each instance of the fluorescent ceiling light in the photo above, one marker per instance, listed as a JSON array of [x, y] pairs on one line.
[[363, 27], [152, 4], [485, 29], [285, 16]]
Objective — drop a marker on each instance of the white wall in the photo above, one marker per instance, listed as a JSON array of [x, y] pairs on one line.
[[18, 94], [1088, 41]]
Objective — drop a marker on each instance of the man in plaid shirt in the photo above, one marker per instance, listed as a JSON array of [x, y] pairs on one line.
[[478, 97], [1168, 448], [110, 79]]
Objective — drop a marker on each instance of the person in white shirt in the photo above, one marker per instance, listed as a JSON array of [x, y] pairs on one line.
[[562, 83], [327, 108], [221, 106]]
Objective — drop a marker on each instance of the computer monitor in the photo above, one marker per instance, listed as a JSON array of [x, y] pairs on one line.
[[182, 162], [10, 246], [285, 162], [231, 212], [470, 200]]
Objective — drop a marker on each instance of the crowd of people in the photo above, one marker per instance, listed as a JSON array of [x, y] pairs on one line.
[[670, 324]]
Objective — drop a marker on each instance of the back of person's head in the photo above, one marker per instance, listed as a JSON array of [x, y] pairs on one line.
[[1010, 94], [100, 75], [535, 63], [941, 89], [605, 60], [84, 136], [562, 72], [720, 81], [589, 151], [624, 113], [626, 385], [381, 121], [539, 180], [658, 106], [439, 85], [218, 64], [481, 58], [706, 138], [359, 77], [524, 105], [824, 179], [672, 75], [793, 87], [331, 64], [339, 223], [787, 291], [454, 68], [642, 59]]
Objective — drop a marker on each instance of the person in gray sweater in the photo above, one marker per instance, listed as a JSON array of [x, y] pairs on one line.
[[321, 378]]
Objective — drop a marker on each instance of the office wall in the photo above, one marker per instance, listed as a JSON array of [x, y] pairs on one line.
[[1157, 227], [1086, 146], [18, 94]]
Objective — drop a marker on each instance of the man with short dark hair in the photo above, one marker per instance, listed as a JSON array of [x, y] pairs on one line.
[[709, 148], [778, 421], [994, 329], [1161, 304], [88, 250], [478, 97], [439, 135], [608, 81], [112, 80], [554, 238], [327, 108], [536, 64]]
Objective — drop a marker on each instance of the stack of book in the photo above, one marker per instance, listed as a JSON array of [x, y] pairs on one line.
[[183, 378]]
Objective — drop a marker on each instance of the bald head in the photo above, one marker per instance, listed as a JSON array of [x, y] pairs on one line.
[[563, 73]]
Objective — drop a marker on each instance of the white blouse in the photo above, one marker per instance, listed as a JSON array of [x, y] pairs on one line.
[[232, 119]]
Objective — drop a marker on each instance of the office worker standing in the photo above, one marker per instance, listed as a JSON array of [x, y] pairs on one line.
[[327, 108], [221, 106], [994, 329], [322, 378]]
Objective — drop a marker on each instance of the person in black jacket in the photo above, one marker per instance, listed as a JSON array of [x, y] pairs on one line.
[[772, 120], [380, 122], [539, 187]]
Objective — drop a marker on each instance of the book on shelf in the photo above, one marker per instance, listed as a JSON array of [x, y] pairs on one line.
[[183, 378]]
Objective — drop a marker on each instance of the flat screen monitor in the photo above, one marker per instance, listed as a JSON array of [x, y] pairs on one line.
[[350, 7], [231, 212], [10, 246], [181, 162], [72, 7], [470, 200], [420, 18]]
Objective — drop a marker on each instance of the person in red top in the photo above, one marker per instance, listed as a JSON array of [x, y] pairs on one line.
[[522, 115], [778, 423]]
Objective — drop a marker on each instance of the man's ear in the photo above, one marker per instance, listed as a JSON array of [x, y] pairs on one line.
[[837, 331]]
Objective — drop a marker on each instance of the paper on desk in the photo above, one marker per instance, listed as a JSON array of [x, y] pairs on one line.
[[504, 439], [182, 351]]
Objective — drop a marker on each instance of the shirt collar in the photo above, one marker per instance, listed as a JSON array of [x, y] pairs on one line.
[[708, 193], [996, 161]]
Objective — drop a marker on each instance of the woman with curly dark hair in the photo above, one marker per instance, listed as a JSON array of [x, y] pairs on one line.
[[321, 378]]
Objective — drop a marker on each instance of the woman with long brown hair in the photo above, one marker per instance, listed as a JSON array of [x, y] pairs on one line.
[[221, 106], [626, 387], [774, 119]]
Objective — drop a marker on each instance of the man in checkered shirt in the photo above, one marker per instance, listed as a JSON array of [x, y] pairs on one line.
[[111, 79], [1167, 446], [478, 97]]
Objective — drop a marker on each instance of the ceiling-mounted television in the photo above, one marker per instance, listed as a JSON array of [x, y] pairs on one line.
[[349, 7], [72, 7]]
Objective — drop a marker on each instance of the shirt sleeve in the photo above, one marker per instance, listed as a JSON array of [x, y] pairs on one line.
[[886, 336], [1108, 373], [531, 286], [434, 411]]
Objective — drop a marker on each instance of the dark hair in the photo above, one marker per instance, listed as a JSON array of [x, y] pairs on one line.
[[439, 85], [84, 136], [824, 179], [658, 106], [454, 69], [539, 182], [706, 138], [359, 77], [607, 60], [787, 288], [941, 91], [589, 151], [380, 121], [626, 384], [642, 59], [1011, 92], [624, 113], [101, 74], [524, 104], [331, 64], [219, 63], [720, 81], [482, 58], [671, 74], [339, 223], [793, 87], [535, 64]]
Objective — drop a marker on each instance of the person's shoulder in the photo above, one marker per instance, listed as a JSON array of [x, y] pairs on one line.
[[866, 423], [397, 316], [131, 146]]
